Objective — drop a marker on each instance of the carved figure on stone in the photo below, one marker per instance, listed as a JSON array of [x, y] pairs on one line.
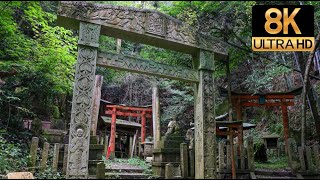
[[156, 24], [173, 127], [115, 17], [77, 149], [137, 22], [179, 33]]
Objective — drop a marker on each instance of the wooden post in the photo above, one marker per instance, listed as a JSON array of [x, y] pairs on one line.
[[184, 160], [301, 158], [229, 157], [191, 162], [113, 135], [65, 159], [221, 156], [130, 146], [100, 172], [44, 157], [96, 103], [309, 158], [55, 157], [235, 156], [315, 148], [239, 109], [285, 124], [143, 126], [33, 153], [139, 147], [292, 155], [243, 157], [169, 171], [156, 117], [106, 145], [118, 45], [134, 143], [240, 136], [250, 154], [101, 142]]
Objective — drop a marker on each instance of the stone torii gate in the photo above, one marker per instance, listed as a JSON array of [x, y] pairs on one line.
[[141, 26]]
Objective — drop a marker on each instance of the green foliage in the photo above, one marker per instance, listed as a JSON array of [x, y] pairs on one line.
[[262, 77], [13, 154], [273, 163], [140, 163], [40, 55], [56, 113], [49, 174]]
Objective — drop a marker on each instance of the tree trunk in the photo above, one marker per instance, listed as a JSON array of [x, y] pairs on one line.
[[306, 84], [234, 176]]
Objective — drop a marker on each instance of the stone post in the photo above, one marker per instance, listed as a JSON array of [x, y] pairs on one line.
[[100, 174], [44, 156], [221, 155], [82, 101], [96, 103], [250, 155], [130, 146], [205, 128], [191, 162], [156, 116], [65, 159], [55, 159], [33, 153], [169, 171], [184, 160]]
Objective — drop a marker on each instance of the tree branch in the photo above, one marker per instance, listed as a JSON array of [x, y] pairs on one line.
[[304, 91]]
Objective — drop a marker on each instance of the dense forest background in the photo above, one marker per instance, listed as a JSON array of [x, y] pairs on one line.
[[37, 61]]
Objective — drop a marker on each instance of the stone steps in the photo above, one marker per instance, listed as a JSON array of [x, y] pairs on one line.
[[125, 171], [126, 175], [128, 170], [275, 177], [274, 174]]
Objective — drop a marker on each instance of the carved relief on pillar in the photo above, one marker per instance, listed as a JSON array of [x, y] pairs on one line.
[[78, 155], [89, 35], [81, 113], [199, 136], [177, 32], [156, 24], [205, 148], [206, 60], [209, 125]]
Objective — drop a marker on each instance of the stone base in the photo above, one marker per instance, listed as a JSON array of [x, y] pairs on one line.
[[95, 156], [168, 152], [92, 168]]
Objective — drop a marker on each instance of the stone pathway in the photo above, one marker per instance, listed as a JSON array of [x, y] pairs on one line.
[[274, 174], [122, 170]]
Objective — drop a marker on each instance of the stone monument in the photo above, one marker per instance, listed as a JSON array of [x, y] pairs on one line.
[[168, 150]]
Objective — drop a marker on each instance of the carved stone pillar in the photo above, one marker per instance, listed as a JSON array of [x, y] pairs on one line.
[[79, 133], [205, 134]]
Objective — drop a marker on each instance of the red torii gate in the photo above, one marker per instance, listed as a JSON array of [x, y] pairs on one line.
[[278, 99], [123, 110]]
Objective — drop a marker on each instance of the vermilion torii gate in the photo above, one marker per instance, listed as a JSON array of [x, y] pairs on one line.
[[141, 26], [119, 110]]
